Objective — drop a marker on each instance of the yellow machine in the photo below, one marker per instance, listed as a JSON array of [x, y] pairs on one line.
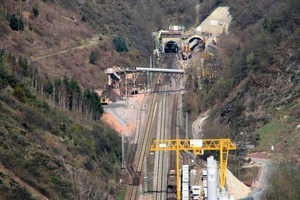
[[197, 146]]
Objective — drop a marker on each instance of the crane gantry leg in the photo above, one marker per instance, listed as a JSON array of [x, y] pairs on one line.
[[178, 175]]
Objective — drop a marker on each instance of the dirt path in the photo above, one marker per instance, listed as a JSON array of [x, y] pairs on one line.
[[198, 124], [31, 190], [90, 43]]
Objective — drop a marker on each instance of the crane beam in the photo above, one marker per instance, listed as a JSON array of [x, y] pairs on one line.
[[197, 146]]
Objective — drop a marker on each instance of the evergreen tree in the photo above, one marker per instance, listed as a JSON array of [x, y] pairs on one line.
[[35, 11], [120, 44], [15, 23], [4, 72], [93, 58], [23, 64], [84, 18], [48, 87], [58, 91]]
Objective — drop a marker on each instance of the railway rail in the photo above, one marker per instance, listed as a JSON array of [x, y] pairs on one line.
[[167, 187], [164, 130], [138, 152], [139, 155], [171, 182], [160, 156]]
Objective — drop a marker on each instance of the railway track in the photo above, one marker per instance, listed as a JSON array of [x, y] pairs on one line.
[[198, 161], [139, 155], [158, 181], [138, 152], [171, 182], [167, 128], [163, 133]]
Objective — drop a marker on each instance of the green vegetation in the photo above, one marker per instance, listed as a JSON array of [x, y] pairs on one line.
[[9, 189], [259, 63], [284, 180], [93, 58], [63, 93], [43, 146], [16, 23], [121, 194], [269, 135], [19, 93], [120, 44], [35, 11], [250, 63], [84, 18]]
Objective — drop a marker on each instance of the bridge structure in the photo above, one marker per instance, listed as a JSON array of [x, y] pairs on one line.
[[126, 76]]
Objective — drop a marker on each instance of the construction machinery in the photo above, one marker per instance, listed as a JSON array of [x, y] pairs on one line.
[[197, 147]]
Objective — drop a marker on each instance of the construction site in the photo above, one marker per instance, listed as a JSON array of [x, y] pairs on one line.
[[160, 158]]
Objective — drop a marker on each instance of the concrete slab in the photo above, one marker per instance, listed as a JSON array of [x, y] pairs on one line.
[[217, 22]]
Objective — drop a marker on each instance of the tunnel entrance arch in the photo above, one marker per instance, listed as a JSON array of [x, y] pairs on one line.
[[196, 38], [171, 47]]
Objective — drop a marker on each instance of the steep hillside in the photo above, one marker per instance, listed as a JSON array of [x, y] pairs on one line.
[[52, 141], [58, 37], [46, 150], [260, 66], [256, 100], [259, 62]]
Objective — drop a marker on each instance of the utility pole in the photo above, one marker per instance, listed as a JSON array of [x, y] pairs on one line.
[[123, 149], [186, 125], [126, 89], [148, 77], [181, 109], [150, 74], [145, 176]]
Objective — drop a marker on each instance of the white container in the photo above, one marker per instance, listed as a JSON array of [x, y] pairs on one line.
[[185, 194], [185, 180], [185, 186], [205, 192], [196, 189]]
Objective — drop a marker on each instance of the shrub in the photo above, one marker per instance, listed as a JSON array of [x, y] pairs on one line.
[[284, 180], [62, 186], [20, 94]]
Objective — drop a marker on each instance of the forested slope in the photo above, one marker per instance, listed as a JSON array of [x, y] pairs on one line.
[[256, 100], [52, 52], [36, 29], [47, 148]]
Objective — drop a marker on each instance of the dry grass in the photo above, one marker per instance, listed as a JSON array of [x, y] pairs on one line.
[[53, 31]]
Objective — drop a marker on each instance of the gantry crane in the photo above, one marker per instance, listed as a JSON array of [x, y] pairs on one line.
[[197, 146]]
